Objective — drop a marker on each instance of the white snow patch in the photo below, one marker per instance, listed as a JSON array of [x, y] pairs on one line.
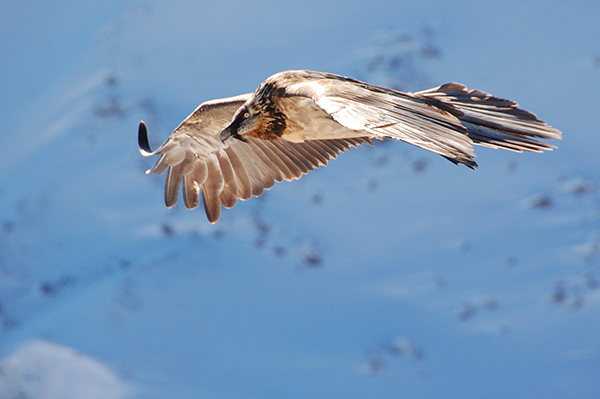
[[44, 370]]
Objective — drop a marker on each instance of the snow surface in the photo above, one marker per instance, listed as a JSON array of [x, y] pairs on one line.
[[390, 273], [44, 370]]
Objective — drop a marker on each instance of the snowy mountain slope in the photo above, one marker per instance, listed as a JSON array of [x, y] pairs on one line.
[[390, 272]]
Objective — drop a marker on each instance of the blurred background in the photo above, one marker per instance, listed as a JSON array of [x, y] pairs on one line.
[[390, 273]]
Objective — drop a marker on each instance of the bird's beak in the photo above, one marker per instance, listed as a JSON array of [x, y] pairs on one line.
[[228, 133]]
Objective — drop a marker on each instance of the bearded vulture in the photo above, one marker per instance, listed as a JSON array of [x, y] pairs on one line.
[[296, 121]]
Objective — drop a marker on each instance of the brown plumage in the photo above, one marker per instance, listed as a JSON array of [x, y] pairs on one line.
[[297, 121]]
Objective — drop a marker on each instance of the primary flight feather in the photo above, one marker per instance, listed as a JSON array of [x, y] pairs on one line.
[[297, 121]]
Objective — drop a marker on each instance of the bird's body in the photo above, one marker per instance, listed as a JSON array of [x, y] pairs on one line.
[[297, 120]]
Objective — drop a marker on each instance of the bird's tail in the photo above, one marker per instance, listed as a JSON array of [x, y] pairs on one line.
[[491, 121]]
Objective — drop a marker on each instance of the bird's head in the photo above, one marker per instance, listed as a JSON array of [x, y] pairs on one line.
[[244, 123], [259, 117]]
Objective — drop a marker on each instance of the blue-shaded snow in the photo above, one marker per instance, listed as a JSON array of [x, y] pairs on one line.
[[305, 292]]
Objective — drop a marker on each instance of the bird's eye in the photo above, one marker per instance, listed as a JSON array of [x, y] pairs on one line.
[[246, 115]]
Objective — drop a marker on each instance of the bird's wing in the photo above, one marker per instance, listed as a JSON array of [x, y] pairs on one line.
[[447, 120], [385, 113], [195, 158], [492, 121]]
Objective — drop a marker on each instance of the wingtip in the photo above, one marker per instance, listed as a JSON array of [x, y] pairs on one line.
[[143, 143]]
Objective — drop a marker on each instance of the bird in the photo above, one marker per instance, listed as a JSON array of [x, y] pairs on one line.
[[298, 120]]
